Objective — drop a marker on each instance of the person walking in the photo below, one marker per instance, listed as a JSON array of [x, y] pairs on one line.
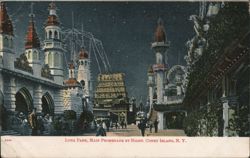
[[108, 124], [142, 127], [100, 131], [33, 122], [116, 125], [40, 125], [156, 125], [122, 124]]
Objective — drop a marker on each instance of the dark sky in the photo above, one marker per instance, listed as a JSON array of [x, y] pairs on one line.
[[126, 30]]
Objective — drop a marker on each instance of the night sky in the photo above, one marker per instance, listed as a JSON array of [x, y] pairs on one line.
[[126, 30]]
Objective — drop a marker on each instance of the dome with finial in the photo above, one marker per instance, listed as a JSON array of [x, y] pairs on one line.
[[160, 34], [52, 18], [83, 54], [71, 82], [6, 26]]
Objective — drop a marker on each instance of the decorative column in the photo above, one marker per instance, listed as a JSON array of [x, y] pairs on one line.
[[58, 101], [9, 95], [229, 102], [38, 94], [161, 120]]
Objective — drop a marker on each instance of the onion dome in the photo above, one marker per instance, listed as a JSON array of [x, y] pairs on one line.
[[71, 82], [6, 26], [160, 35], [32, 40], [52, 18], [83, 54]]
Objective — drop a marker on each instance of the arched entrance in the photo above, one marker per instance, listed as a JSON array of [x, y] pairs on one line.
[[24, 101], [47, 104]]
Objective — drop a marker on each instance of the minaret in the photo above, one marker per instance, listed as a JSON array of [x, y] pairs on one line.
[[53, 45], [84, 72], [32, 46], [6, 39], [160, 46]]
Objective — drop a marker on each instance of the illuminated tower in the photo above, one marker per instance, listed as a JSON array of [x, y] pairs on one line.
[[160, 46], [53, 46], [84, 71], [84, 76]]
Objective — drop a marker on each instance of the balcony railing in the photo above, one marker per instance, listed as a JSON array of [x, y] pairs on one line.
[[173, 99]]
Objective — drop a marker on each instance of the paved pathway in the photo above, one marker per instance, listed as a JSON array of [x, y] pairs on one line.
[[132, 130]]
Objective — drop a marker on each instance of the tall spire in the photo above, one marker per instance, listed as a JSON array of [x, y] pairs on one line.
[[32, 40], [160, 35], [52, 18], [6, 26]]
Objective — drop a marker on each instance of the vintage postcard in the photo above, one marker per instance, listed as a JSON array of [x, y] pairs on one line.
[[125, 78]]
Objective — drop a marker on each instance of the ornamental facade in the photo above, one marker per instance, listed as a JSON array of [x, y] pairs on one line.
[[36, 79], [217, 95]]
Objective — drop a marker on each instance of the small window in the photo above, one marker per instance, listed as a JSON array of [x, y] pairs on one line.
[[50, 59], [35, 55], [5, 42], [50, 34], [29, 54], [56, 35], [57, 59]]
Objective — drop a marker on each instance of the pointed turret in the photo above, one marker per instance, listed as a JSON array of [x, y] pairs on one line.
[[32, 40], [6, 26], [160, 34], [6, 38], [32, 46]]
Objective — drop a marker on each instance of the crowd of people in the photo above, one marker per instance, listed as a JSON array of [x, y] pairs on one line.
[[42, 124], [105, 125], [35, 125], [31, 124]]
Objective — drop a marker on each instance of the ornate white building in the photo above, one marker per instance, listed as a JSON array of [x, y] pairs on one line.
[[36, 78]]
